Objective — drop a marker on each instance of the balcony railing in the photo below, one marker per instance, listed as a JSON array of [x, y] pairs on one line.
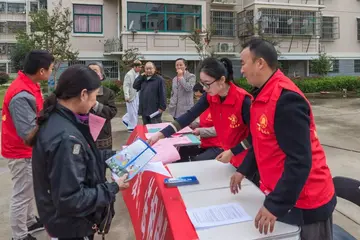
[[306, 2], [230, 2], [113, 45], [281, 22]]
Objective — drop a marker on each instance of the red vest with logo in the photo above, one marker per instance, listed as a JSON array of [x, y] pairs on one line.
[[228, 121], [207, 122], [12, 146], [319, 187]]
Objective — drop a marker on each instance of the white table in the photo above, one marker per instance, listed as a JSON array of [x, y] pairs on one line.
[[214, 178], [211, 174], [251, 199]]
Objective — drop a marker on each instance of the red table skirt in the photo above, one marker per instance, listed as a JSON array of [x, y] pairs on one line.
[[156, 212]]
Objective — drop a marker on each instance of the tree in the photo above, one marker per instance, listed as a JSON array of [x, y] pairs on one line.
[[322, 65], [128, 58], [4, 78], [202, 40], [49, 32]]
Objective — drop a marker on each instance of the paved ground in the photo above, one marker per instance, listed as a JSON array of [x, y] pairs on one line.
[[339, 131]]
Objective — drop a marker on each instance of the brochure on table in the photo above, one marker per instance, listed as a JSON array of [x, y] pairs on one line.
[[131, 159]]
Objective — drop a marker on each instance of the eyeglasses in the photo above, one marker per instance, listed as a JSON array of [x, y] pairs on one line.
[[206, 85]]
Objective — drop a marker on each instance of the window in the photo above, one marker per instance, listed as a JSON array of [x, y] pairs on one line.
[[330, 28], [335, 66], [6, 48], [224, 23], [111, 69], [2, 27], [2, 67], [288, 22], [358, 29], [16, 7], [163, 17], [34, 7], [75, 62], [15, 27], [2, 7], [357, 66], [88, 19]]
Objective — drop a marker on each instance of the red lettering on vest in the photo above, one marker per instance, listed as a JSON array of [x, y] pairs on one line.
[[12, 146], [319, 188], [228, 121]]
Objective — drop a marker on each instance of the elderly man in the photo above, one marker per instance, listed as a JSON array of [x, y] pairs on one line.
[[131, 97]]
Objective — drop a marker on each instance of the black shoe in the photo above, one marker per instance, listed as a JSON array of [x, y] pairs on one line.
[[28, 237], [38, 226]]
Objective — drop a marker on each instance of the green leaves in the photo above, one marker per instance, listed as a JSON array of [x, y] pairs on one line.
[[49, 32]]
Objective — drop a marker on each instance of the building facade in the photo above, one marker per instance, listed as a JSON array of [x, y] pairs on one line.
[[104, 29], [14, 16]]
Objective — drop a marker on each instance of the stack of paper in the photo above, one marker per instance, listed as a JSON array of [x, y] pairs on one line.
[[217, 215], [165, 152]]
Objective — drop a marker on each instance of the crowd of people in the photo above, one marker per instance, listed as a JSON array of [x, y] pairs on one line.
[[268, 135]]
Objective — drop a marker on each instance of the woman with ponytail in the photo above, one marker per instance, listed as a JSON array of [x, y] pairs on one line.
[[72, 195], [229, 108]]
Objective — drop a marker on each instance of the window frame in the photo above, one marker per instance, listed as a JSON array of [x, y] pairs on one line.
[[87, 15], [356, 65], [165, 13], [234, 23]]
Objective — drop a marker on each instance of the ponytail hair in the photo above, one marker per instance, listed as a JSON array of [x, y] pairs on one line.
[[70, 85], [229, 68]]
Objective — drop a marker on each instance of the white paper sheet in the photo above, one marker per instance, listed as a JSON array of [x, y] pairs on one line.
[[157, 167], [217, 215]]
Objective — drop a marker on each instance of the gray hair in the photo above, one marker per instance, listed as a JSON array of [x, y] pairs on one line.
[[101, 66]]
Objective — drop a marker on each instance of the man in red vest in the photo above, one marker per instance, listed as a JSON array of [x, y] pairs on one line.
[[22, 103], [285, 149]]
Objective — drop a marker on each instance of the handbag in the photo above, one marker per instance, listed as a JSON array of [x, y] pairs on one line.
[[103, 227]]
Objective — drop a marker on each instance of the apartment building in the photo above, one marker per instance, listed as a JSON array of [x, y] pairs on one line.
[[103, 29], [14, 16]]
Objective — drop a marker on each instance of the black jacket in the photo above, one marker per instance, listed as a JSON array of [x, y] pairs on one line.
[[106, 109], [69, 182], [152, 94]]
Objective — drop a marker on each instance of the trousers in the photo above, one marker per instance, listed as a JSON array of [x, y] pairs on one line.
[[22, 198]]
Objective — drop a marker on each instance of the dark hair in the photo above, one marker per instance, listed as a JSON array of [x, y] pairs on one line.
[[101, 66], [262, 48], [216, 69], [198, 88], [136, 63], [37, 59], [71, 82], [184, 61]]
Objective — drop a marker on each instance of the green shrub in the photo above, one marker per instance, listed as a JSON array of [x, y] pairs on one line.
[[318, 84], [4, 78]]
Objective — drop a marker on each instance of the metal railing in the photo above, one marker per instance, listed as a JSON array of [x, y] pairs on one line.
[[113, 45]]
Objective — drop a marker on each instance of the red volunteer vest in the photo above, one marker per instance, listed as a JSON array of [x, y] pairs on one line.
[[206, 122], [12, 146], [228, 121], [319, 188]]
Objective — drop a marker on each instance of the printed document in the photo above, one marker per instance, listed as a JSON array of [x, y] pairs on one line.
[[217, 215]]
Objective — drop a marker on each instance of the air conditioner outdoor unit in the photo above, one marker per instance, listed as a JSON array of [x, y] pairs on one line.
[[217, 1], [225, 47]]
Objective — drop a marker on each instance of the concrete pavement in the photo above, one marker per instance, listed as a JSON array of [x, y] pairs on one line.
[[339, 132]]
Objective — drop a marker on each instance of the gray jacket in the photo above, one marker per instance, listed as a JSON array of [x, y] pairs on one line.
[[182, 96], [205, 132], [129, 91]]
